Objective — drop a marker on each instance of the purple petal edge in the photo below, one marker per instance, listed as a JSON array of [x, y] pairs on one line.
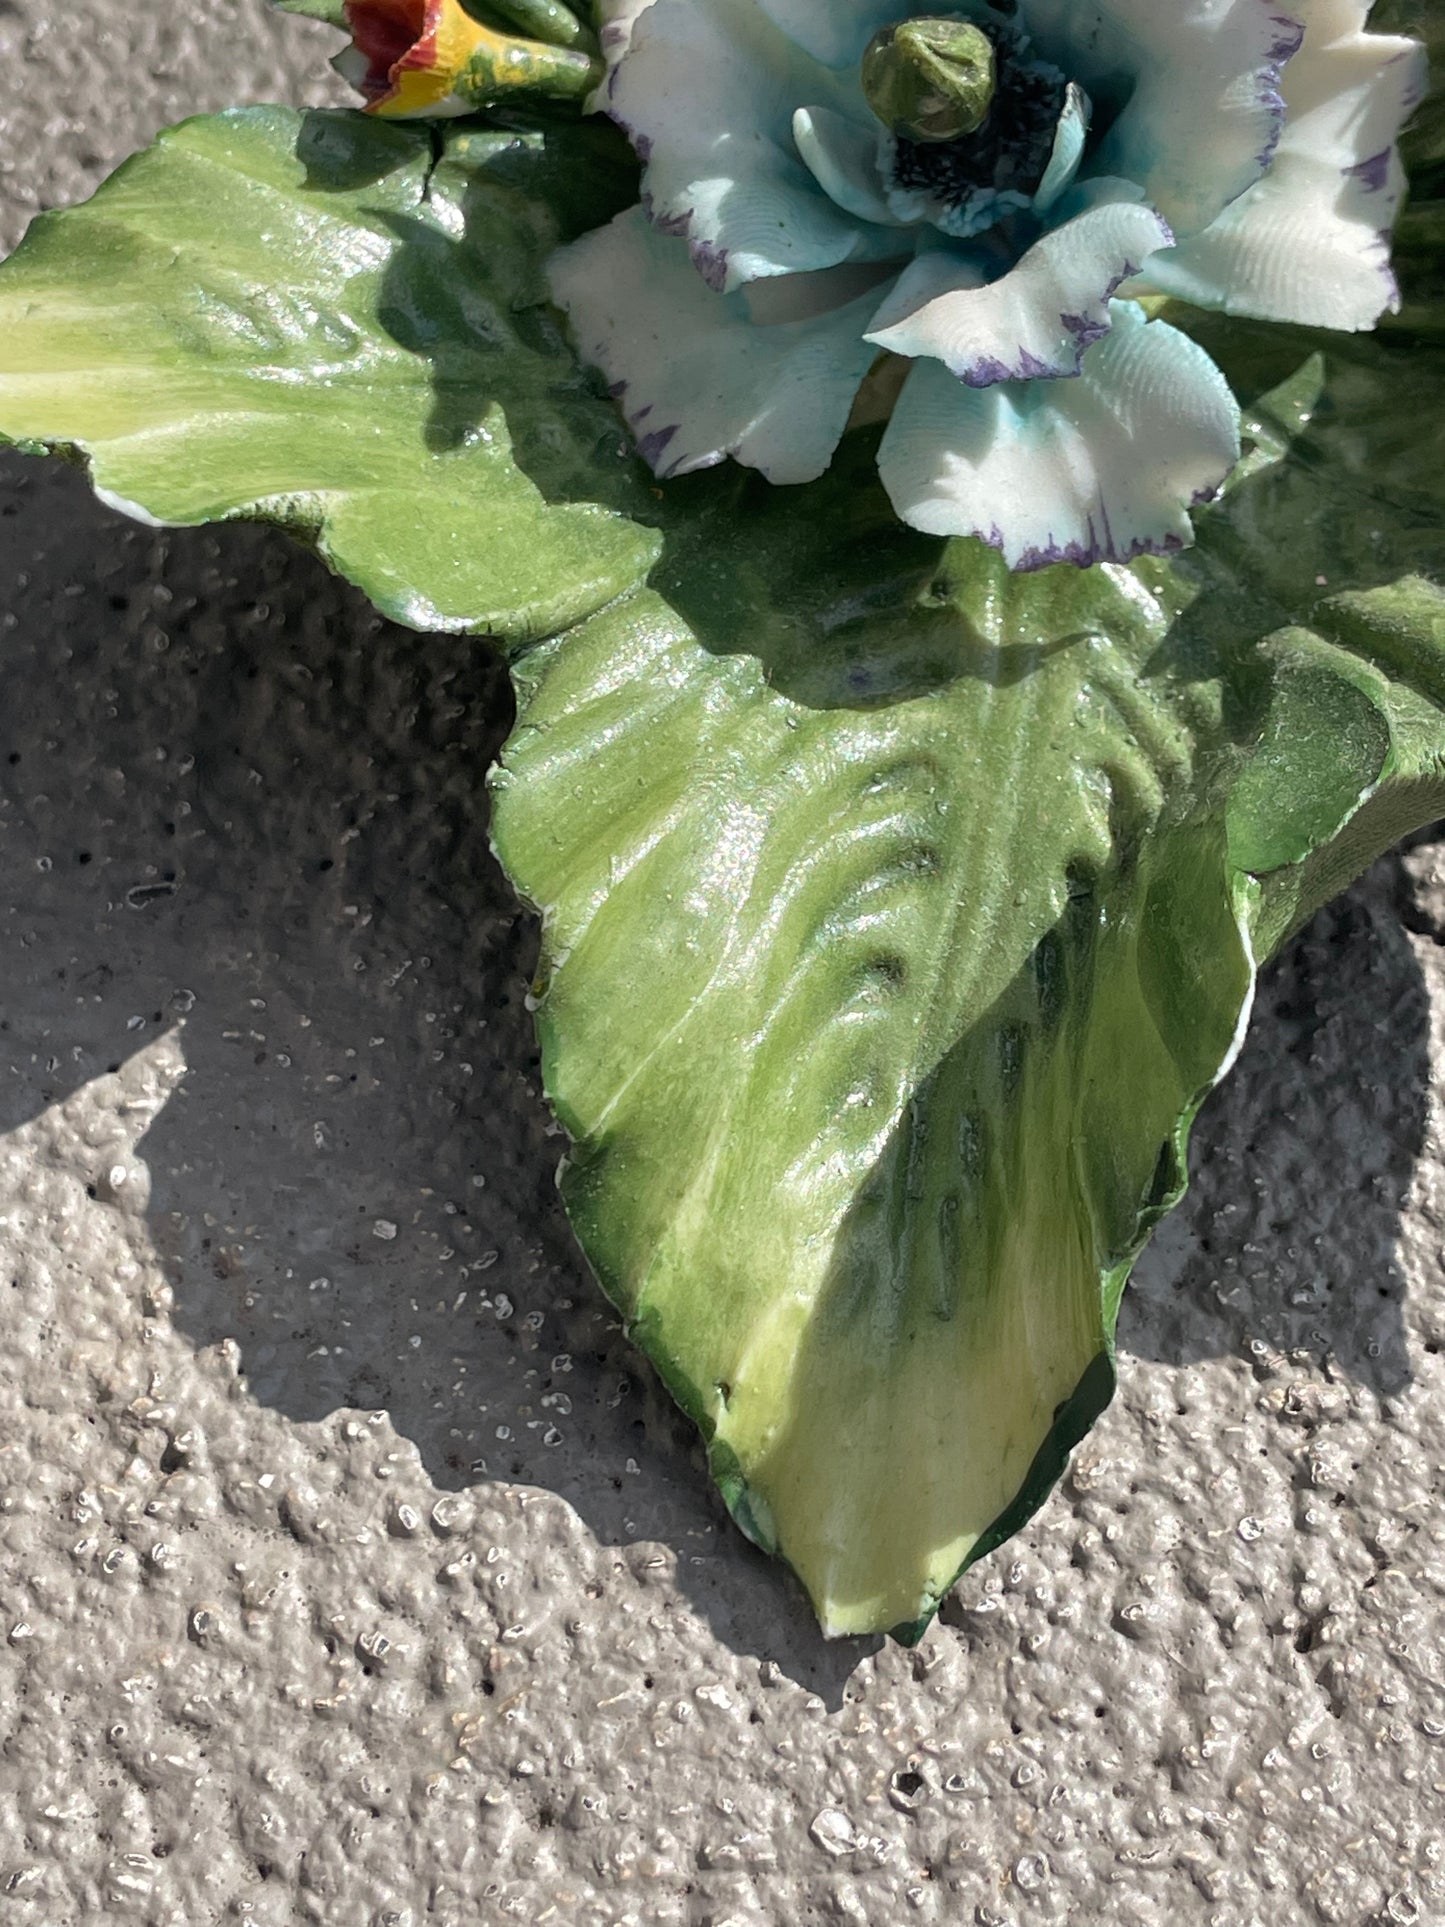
[[1087, 555], [988, 371], [1100, 547], [710, 261], [1289, 38], [1374, 173], [651, 445]]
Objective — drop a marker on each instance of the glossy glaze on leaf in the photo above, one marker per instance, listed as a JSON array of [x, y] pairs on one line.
[[305, 318], [898, 912], [887, 965]]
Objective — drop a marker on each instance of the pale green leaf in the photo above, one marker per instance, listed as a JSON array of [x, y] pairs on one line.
[[306, 318]]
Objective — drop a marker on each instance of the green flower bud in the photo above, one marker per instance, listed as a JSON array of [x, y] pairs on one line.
[[930, 79]]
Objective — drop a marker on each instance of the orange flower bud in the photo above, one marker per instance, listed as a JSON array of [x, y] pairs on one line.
[[425, 59]]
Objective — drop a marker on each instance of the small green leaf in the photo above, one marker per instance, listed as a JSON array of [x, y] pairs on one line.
[[333, 12], [1321, 751], [545, 20]]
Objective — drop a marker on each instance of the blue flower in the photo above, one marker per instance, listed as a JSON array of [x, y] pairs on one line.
[[797, 264]]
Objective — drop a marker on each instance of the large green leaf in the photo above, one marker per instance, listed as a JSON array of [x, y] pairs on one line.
[[888, 962], [898, 913], [307, 318]]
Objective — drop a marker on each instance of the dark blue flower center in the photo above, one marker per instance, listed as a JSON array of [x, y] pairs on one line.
[[969, 184]]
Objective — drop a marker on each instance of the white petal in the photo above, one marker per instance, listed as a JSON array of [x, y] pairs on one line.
[[1040, 318], [707, 94], [1310, 243], [695, 377], [1102, 468], [1326, 20], [615, 21], [1068, 149], [842, 157], [834, 31], [804, 297], [1201, 108]]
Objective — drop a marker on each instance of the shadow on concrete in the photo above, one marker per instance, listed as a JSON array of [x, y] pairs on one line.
[[1301, 1162], [236, 800]]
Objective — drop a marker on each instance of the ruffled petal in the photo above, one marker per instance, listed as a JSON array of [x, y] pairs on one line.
[[1310, 243], [834, 31], [1099, 469], [1068, 149], [1196, 84], [1040, 318], [696, 376], [615, 21], [721, 168], [1326, 20], [842, 157]]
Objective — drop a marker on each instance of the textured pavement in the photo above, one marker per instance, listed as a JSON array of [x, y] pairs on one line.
[[352, 1567]]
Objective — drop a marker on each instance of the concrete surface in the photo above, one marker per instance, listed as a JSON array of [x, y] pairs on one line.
[[353, 1570]]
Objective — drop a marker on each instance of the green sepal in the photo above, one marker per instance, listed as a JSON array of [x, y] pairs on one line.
[[519, 72], [545, 20]]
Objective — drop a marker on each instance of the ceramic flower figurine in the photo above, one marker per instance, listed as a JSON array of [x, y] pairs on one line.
[[898, 913], [967, 214]]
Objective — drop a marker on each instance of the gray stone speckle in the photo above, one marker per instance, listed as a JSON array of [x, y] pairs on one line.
[[84, 84], [369, 1579]]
